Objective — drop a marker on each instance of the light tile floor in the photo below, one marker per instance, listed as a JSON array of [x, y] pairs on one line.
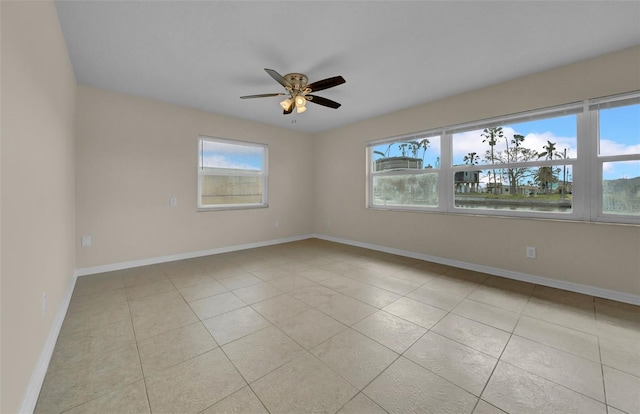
[[314, 326]]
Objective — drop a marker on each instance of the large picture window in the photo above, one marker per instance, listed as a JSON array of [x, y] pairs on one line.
[[524, 166], [578, 161], [231, 174]]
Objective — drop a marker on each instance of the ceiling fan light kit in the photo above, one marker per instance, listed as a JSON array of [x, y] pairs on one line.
[[286, 104], [299, 91]]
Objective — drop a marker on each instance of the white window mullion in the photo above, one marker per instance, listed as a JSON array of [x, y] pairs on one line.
[[585, 168], [445, 182], [369, 177]]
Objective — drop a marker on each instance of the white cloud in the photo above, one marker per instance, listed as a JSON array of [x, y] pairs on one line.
[[224, 148], [471, 141], [220, 161], [609, 147], [231, 155], [620, 169], [539, 141]]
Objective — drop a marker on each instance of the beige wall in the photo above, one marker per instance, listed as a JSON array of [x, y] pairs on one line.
[[599, 255], [134, 154], [37, 174]]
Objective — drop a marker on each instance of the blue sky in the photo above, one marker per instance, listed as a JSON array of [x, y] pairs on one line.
[[619, 134], [561, 131], [223, 155]]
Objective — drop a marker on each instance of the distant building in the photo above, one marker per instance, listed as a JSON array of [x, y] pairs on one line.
[[467, 181], [398, 163]]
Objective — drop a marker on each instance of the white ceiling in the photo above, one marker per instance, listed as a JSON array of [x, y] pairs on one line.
[[393, 54]]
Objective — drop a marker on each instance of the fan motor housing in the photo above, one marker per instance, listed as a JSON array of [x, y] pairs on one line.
[[297, 80]]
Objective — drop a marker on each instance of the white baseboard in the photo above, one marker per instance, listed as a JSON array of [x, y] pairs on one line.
[[181, 256], [538, 280], [34, 386]]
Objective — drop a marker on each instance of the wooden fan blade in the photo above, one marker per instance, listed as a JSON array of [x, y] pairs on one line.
[[323, 101], [278, 77], [263, 95], [326, 83]]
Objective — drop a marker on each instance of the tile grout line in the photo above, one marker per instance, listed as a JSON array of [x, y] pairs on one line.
[[135, 336], [604, 385], [401, 354], [118, 388], [248, 384], [450, 312], [200, 321], [537, 375], [500, 357]]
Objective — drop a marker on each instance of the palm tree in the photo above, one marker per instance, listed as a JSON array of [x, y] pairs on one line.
[[415, 146], [545, 177], [517, 141], [564, 156], [425, 144], [550, 151], [491, 135], [514, 173], [547, 173], [471, 158]]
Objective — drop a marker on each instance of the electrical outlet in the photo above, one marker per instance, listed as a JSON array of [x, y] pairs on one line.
[[277, 224], [531, 252], [85, 241], [173, 202]]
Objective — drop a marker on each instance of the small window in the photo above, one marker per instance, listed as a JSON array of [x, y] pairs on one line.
[[231, 174], [405, 172], [621, 188]]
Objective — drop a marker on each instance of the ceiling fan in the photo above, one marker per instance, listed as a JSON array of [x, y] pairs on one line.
[[299, 92]]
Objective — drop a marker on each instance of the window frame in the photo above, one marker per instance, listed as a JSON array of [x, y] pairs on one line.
[[263, 173], [574, 108], [587, 195]]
